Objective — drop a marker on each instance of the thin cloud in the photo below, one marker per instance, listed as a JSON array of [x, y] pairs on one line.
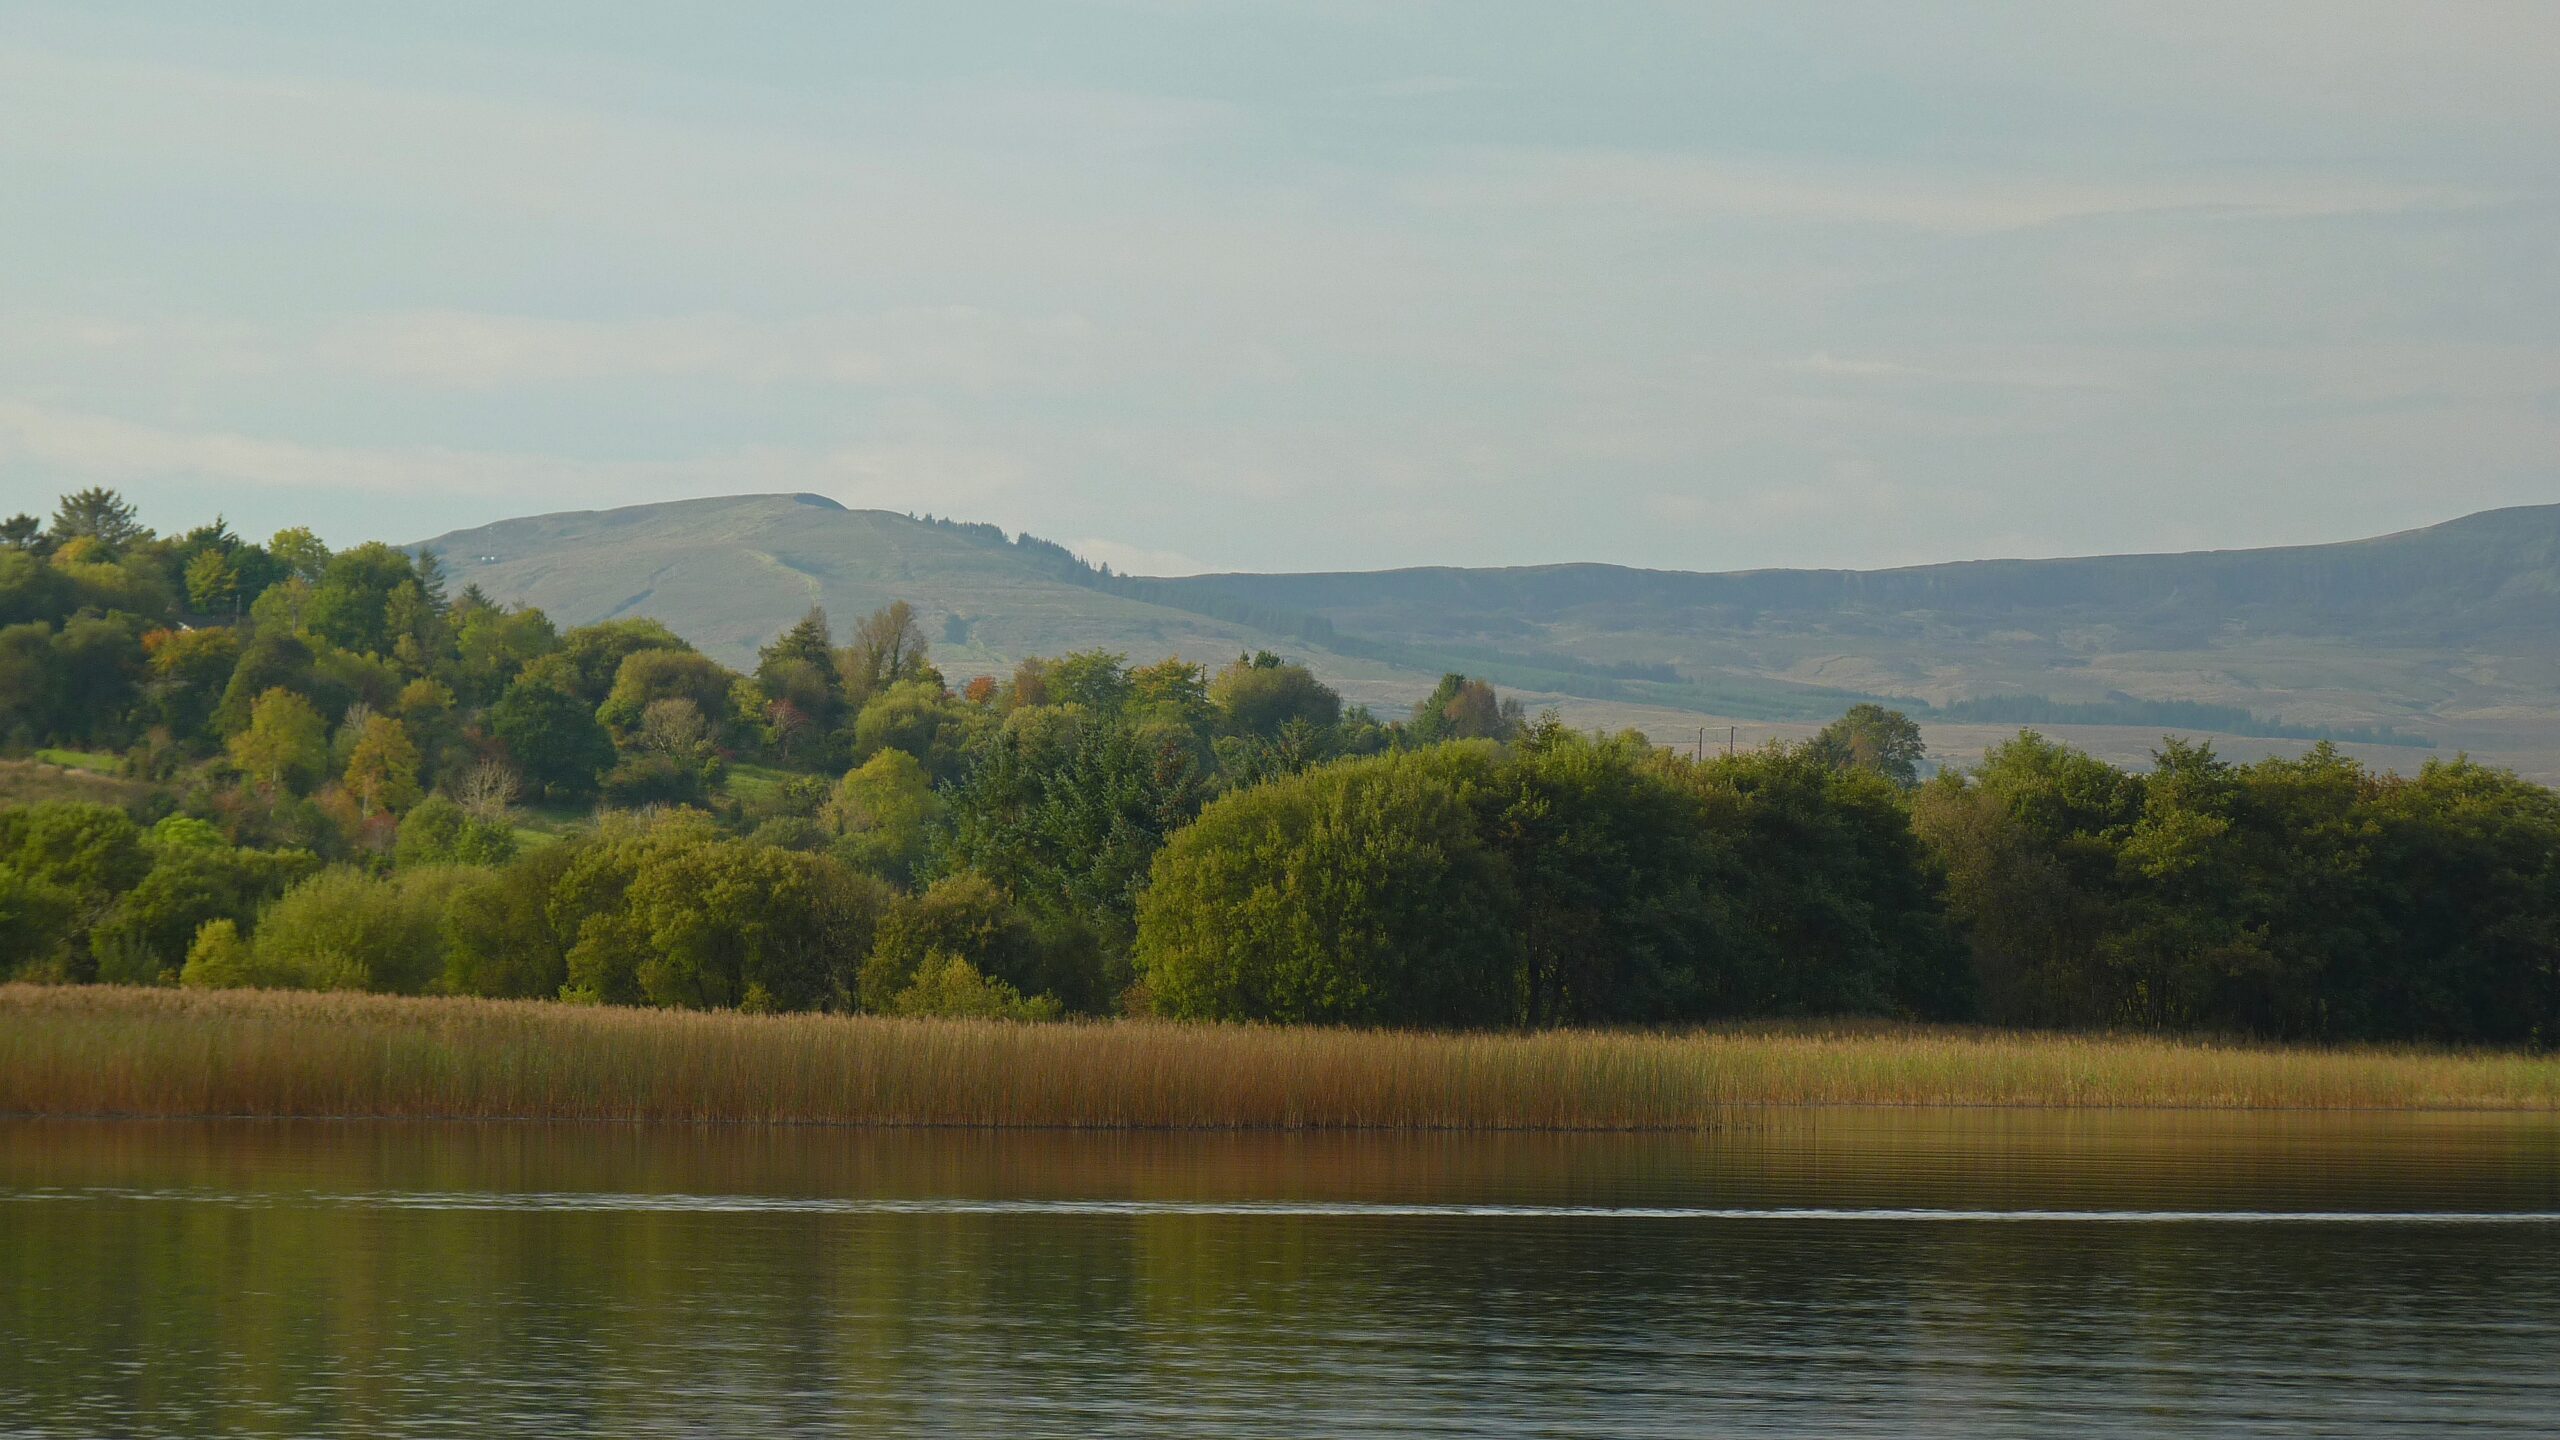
[[1675, 185], [1844, 367], [106, 449], [944, 346], [1138, 559]]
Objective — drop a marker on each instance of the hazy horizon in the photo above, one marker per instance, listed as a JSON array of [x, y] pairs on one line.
[[1238, 286], [1012, 530]]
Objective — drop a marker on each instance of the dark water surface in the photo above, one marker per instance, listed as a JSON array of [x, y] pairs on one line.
[[1839, 1272]]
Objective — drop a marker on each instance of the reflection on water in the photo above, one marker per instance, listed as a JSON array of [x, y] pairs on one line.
[[1825, 1272]]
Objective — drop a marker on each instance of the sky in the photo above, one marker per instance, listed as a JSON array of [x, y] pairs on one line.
[[1258, 286]]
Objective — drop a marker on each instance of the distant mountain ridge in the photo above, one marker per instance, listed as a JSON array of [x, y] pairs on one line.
[[2428, 627], [2497, 567]]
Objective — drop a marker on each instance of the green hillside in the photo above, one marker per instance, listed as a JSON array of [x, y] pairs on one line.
[[730, 573], [2443, 634], [2446, 625]]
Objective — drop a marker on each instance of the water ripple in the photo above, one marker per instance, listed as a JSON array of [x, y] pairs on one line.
[[1242, 1209]]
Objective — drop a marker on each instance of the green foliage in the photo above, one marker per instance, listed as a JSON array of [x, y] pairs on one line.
[[1095, 680], [300, 553], [382, 771], [968, 917], [493, 646], [1872, 738], [98, 514], [672, 914], [91, 850], [916, 717], [883, 814], [2301, 897], [38, 924], [285, 746], [183, 832], [656, 779], [650, 676], [30, 682], [213, 581], [1569, 881], [218, 959], [1835, 906], [1263, 695], [1363, 893], [189, 672], [797, 671], [78, 683], [1463, 709], [590, 657], [353, 602], [888, 648], [950, 987], [143, 938], [1066, 811], [439, 832], [345, 930], [552, 736], [1618, 886], [1171, 694], [502, 937], [274, 659], [1462, 869]]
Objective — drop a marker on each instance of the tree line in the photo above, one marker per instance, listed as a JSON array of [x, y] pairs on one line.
[[357, 780]]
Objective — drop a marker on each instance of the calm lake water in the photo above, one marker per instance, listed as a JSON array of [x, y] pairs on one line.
[[1975, 1273]]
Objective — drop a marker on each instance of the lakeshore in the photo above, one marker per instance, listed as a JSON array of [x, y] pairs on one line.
[[122, 1051]]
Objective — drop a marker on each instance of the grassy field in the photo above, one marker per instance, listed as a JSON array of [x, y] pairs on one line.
[[37, 782], [110, 1051], [97, 761]]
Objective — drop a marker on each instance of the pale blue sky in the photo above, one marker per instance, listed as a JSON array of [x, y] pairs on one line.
[[1314, 285]]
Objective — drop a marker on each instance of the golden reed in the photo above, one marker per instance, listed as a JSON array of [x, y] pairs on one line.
[[99, 1050]]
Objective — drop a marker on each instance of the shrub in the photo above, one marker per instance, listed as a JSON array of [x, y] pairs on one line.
[[653, 780], [1362, 892], [36, 927], [916, 717], [439, 832], [884, 811], [90, 849], [1262, 695], [670, 913], [220, 960], [552, 737], [791, 832], [500, 937], [946, 985], [143, 938], [966, 916], [345, 930]]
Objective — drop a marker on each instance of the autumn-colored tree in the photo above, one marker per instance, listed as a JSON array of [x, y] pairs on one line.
[[800, 666], [382, 771], [285, 745], [300, 552], [1464, 709]]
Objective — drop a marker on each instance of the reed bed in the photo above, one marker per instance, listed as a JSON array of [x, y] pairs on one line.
[[109, 1051]]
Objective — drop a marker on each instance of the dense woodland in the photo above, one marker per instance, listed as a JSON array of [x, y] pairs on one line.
[[335, 774]]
